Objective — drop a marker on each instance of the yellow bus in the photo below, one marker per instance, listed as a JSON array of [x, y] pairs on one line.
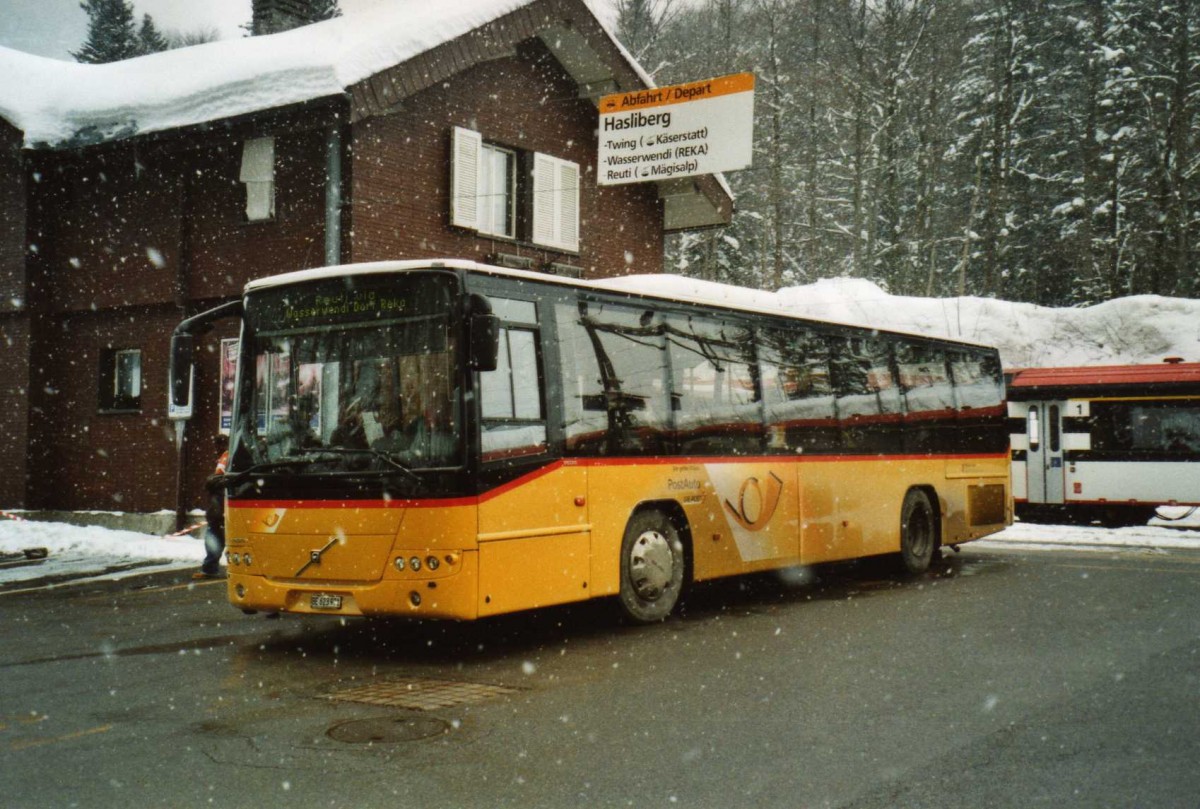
[[446, 439]]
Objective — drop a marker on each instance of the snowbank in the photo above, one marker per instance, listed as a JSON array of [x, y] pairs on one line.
[[92, 552], [1142, 329]]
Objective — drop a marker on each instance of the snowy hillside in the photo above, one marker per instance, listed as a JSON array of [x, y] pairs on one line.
[[1143, 329]]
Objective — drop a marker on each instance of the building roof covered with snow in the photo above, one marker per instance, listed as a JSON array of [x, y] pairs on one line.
[[56, 103], [377, 59]]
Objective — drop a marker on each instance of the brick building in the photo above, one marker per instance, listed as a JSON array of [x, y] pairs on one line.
[[137, 193]]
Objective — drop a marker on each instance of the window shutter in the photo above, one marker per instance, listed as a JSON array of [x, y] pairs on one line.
[[556, 203], [568, 195], [543, 199], [258, 173], [464, 177]]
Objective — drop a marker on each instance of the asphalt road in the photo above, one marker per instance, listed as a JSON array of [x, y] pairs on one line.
[[1003, 678]]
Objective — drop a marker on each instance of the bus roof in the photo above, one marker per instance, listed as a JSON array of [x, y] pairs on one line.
[[1028, 383], [605, 285]]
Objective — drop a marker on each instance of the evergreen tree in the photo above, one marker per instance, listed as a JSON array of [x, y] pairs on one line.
[[111, 32], [151, 40], [639, 23], [272, 18], [1036, 150], [323, 10]]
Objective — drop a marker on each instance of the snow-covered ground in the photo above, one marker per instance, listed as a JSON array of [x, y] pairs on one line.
[[76, 554]]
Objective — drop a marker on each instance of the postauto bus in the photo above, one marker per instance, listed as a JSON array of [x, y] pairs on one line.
[[454, 440]]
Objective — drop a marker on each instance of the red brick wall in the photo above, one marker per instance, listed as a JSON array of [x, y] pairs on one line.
[[123, 220], [81, 458], [14, 321], [401, 170], [115, 227]]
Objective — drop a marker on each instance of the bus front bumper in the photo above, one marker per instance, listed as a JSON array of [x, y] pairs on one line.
[[406, 594]]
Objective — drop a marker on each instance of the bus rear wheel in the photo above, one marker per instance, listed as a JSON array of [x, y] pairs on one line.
[[918, 532], [652, 567]]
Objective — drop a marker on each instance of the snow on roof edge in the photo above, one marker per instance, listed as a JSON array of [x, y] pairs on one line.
[[56, 103]]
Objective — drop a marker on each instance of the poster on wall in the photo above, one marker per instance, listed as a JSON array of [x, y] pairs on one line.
[[229, 352]]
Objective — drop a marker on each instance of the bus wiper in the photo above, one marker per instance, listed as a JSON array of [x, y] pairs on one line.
[[233, 478], [386, 457]]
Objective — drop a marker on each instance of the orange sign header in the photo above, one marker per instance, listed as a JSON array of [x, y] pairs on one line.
[[678, 93]]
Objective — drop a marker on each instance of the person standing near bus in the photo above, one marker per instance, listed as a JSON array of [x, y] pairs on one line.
[[214, 537]]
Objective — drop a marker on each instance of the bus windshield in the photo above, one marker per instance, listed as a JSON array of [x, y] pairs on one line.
[[340, 377]]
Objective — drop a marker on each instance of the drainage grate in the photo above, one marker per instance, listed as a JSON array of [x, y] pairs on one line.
[[421, 694]]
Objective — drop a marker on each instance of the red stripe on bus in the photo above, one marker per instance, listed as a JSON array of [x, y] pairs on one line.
[[553, 466]]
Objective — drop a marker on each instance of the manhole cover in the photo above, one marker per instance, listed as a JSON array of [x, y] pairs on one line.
[[388, 730], [421, 694]]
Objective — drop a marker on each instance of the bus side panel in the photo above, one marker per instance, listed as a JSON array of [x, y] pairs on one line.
[[752, 519], [535, 541], [743, 516], [975, 498], [532, 572], [864, 499]]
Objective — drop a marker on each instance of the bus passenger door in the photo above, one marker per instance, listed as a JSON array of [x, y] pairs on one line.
[[534, 536], [1046, 475]]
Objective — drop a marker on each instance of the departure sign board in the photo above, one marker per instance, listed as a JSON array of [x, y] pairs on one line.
[[678, 131]]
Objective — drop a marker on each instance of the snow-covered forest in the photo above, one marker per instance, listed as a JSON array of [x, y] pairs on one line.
[[1031, 150]]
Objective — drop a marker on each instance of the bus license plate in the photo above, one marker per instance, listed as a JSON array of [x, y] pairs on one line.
[[323, 601]]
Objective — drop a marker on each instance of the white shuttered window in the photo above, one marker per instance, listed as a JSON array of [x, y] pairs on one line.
[[555, 202], [466, 146], [484, 193]]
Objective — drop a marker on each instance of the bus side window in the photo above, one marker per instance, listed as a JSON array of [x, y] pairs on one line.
[[614, 366], [1055, 431], [797, 390], [511, 400], [867, 393], [979, 397], [977, 380], [924, 379], [714, 393]]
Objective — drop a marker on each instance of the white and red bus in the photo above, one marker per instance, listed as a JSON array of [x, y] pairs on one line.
[[1108, 443], [446, 439]]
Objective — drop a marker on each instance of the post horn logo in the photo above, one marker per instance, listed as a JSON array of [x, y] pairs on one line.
[[756, 502]]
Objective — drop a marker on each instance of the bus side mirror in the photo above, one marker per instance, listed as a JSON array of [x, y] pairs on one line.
[[182, 351], [484, 328]]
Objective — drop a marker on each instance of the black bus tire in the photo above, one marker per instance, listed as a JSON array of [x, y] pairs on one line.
[[652, 567], [918, 532]]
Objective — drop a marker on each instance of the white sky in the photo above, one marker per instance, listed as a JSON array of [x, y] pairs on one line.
[[54, 28]]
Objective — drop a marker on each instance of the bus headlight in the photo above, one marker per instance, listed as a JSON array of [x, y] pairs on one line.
[[399, 563], [415, 564], [432, 562], [246, 559]]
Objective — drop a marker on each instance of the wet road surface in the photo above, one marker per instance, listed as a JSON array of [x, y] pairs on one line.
[[1003, 678]]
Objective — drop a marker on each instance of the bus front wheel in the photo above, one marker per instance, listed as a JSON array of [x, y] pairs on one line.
[[652, 566], [918, 532]]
